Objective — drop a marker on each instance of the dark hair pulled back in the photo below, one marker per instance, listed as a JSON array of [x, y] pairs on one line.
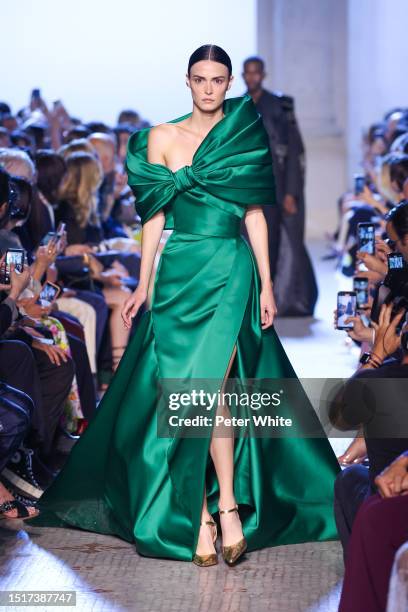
[[210, 52]]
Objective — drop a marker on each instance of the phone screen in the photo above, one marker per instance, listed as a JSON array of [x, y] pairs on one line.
[[346, 307], [366, 238], [49, 293], [360, 286], [47, 238], [60, 229], [15, 257], [395, 261], [359, 183]]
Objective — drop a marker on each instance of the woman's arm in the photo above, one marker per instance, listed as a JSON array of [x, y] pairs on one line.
[[257, 229], [153, 228], [151, 234]]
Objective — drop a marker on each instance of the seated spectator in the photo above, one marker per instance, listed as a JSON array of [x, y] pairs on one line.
[[380, 528], [18, 163], [78, 210], [365, 402]]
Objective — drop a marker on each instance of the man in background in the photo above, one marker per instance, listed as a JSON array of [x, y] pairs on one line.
[[295, 287]]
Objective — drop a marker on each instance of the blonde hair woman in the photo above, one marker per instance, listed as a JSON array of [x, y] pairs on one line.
[[78, 209], [79, 144]]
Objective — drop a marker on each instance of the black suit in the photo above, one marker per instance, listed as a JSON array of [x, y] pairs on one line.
[[295, 287]]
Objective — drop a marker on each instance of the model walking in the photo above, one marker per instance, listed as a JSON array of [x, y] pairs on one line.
[[211, 318]]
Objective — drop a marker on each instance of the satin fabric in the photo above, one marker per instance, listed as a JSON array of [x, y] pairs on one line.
[[122, 478]]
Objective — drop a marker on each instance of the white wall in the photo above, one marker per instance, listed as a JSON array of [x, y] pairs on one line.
[[377, 60], [100, 56]]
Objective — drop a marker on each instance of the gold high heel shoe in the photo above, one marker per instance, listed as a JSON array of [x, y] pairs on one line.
[[212, 558], [232, 553]]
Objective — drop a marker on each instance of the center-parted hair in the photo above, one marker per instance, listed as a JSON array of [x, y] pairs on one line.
[[210, 52]]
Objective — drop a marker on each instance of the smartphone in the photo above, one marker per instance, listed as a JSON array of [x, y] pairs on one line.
[[49, 293], [36, 93], [366, 237], [61, 229], [49, 236], [346, 307], [359, 184], [16, 257], [395, 261], [360, 287]]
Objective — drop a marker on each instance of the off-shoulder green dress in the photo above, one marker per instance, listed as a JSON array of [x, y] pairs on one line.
[[121, 478]]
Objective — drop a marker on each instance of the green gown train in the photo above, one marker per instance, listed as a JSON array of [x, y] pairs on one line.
[[121, 478]]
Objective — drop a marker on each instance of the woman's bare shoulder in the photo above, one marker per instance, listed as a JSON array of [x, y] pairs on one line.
[[158, 141]]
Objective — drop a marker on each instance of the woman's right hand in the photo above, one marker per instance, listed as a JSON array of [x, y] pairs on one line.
[[132, 305]]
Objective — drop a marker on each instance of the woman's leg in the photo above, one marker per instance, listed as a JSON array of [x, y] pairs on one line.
[[222, 454]]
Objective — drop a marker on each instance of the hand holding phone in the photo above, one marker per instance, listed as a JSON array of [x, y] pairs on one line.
[[346, 307], [15, 257]]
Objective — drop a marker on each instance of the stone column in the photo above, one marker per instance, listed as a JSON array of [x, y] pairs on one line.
[[304, 44]]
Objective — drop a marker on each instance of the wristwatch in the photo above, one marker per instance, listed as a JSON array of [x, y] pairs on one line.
[[370, 358]]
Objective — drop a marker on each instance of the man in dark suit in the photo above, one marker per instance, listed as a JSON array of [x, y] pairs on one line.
[[295, 288]]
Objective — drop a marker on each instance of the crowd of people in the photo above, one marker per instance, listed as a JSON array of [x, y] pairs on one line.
[[70, 258], [370, 246]]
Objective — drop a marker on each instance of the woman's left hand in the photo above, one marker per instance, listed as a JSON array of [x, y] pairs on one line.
[[268, 306]]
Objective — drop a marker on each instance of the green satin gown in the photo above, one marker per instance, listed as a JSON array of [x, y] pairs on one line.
[[121, 478]]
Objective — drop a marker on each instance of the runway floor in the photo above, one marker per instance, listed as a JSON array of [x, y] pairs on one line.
[[107, 574]]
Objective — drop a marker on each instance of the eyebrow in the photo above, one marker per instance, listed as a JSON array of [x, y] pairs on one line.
[[201, 77]]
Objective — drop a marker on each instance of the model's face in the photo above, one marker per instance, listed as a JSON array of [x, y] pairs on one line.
[[209, 82], [253, 76]]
